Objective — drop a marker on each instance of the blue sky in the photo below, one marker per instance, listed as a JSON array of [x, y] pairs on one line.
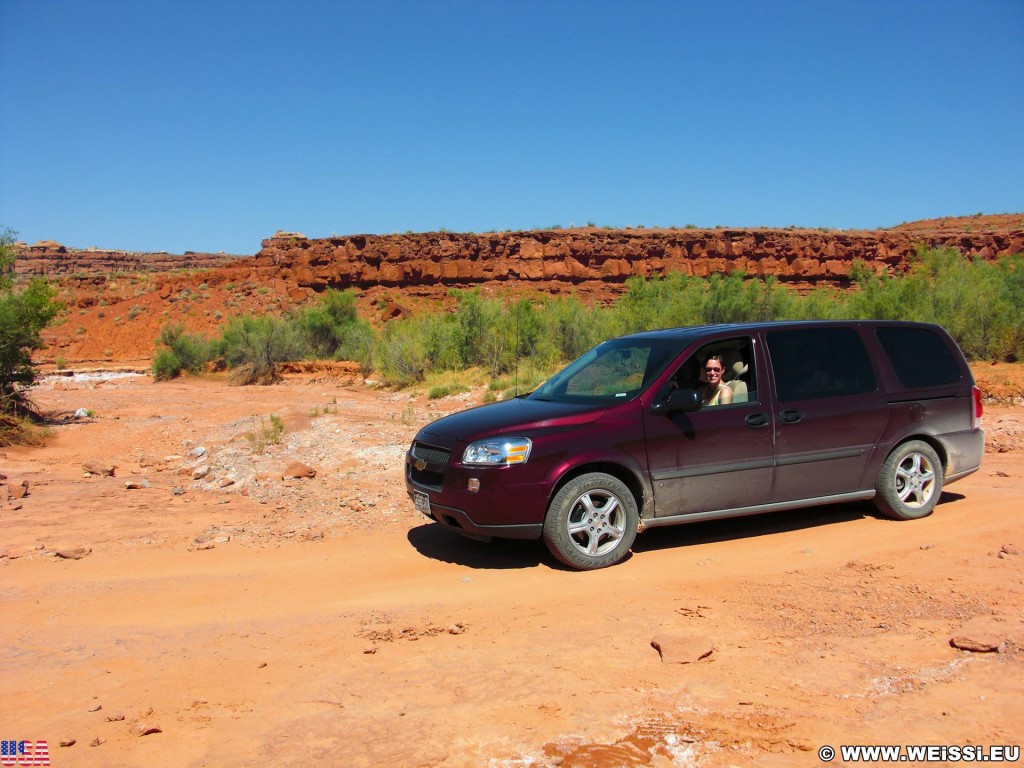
[[207, 125]]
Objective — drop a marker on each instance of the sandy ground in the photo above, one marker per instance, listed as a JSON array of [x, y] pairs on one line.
[[323, 622]]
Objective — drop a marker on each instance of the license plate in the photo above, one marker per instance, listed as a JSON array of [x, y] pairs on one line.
[[422, 502]]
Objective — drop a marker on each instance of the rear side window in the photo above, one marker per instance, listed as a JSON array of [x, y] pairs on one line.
[[920, 357], [819, 362]]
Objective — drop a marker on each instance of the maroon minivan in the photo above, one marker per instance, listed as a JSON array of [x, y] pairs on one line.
[[818, 412]]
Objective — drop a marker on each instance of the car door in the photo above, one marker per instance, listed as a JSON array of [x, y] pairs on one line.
[[829, 411], [719, 457]]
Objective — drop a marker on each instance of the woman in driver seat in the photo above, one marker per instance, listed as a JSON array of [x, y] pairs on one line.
[[715, 391]]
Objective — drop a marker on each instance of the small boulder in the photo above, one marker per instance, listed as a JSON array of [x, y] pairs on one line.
[[978, 643], [200, 472], [136, 484], [145, 728], [298, 470], [99, 468], [73, 553]]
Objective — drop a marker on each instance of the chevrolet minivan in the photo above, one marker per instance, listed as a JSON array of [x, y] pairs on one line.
[[821, 412]]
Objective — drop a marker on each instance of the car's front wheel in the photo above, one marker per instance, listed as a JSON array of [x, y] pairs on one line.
[[910, 481], [591, 522]]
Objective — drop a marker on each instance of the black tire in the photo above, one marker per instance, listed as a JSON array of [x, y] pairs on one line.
[[910, 481], [591, 522]]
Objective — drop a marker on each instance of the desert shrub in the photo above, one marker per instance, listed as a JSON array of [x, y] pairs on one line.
[[253, 346], [356, 345], [334, 330], [24, 312], [444, 390], [266, 433], [978, 301], [401, 355], [570, 329], [179, 352]]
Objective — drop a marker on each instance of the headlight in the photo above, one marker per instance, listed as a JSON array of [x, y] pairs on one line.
[[508, 450]]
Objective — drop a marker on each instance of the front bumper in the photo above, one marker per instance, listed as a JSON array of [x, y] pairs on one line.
[[510, 503], [459, 521]]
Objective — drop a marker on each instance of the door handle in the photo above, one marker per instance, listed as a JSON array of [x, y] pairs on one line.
[[756, 420], [791, 416]]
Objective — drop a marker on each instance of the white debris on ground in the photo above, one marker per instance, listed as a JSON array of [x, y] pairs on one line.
[[359, 463]]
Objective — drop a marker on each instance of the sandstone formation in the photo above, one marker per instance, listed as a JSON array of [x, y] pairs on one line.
[[118, 302], [578, 257], [48, 257]]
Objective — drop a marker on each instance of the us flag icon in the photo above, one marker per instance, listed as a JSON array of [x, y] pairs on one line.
[[24, 753]]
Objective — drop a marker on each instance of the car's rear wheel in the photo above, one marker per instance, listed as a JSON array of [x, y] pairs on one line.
[[910, 481], [591, 522]]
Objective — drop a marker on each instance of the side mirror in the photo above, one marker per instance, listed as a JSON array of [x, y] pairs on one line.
[[686, 400]]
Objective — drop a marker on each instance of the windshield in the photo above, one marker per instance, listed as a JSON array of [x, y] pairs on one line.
[[616, 370]]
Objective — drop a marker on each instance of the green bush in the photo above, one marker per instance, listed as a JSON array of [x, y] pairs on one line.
[[180, 352], [254, 346], [401, 355], [444, 390], [333, 330], [24, 312], [978, 301]]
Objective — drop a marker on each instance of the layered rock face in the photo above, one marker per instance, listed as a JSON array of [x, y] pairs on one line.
[[48, 257], [578, 257]]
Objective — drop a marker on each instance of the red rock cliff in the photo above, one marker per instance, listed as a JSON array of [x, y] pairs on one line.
[[48, 257], [586, 258]]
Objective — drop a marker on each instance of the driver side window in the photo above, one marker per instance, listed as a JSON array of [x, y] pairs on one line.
[[719, 366]]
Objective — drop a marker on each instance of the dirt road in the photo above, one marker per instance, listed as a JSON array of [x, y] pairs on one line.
[[248, 620]]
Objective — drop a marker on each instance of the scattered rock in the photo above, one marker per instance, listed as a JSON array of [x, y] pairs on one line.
[[136, 484], [224, 482], [204, 545], [18, 491], [1009, 549], [68, 742], [298, 470], [978, 643], [99, 468], [177, 490], [115, 718], [95, 707], [457, 628], [313, 535], [200, 472], [96, 742], [144, 728], [83, 413], [682, 649], [197, 452], [74, 553]]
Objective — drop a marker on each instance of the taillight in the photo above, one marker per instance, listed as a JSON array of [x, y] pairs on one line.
[[977, 407]]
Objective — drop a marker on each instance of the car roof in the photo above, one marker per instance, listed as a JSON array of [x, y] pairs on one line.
[[690, 332]]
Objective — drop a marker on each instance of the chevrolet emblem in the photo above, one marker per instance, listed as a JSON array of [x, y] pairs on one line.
[[420, 464]]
